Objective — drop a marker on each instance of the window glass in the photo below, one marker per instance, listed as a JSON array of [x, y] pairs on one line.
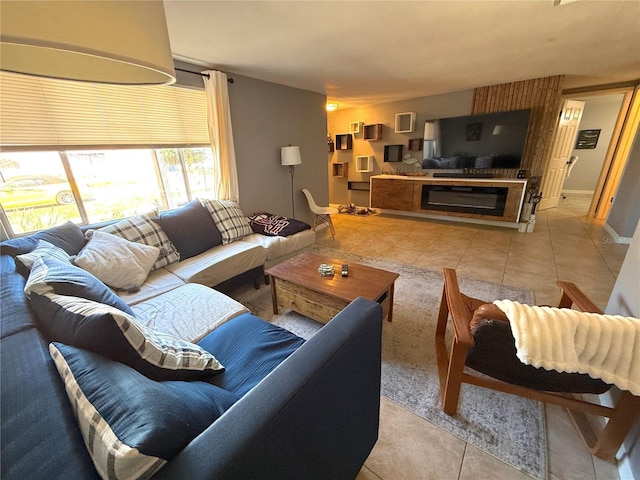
[[117, 183], [170, 163], [34, 191], [199, 164]]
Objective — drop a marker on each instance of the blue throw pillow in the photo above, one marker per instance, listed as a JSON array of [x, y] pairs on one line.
[[190, 229], [67, 236], [116, 335], [132, 425], [50, 275]]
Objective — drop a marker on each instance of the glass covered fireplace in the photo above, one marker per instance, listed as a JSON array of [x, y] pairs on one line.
[[464, 199]]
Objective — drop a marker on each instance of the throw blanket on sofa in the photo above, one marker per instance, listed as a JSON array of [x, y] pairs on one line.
[[276, 225], [602, 346]]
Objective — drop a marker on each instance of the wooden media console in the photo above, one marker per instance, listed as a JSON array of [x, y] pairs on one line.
[[493, 199]]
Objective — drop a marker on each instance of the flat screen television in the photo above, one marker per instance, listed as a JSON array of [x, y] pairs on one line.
[[491, 140]]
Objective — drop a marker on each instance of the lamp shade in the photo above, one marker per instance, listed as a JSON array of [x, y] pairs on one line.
[[291, 155], [114, 42]]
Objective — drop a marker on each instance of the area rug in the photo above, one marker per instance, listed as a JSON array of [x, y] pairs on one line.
[[508, 427]]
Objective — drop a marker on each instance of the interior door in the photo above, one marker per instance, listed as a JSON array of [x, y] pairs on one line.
[[563, 142]]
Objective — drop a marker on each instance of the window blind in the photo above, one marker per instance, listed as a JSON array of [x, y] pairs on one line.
[[42, 112]]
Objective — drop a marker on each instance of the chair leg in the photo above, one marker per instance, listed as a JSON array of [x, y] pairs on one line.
[[319, 220], [333, 230], [613, 434], [450, 366]]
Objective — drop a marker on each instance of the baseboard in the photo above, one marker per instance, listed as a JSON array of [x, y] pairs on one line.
[[617, 238]]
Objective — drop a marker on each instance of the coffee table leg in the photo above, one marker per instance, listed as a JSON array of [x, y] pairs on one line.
[[390, 315], [274, 295]]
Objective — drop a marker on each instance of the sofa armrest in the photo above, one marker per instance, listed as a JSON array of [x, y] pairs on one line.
[[315, 416]]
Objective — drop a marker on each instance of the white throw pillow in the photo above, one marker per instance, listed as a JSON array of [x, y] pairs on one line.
[[117, 262]]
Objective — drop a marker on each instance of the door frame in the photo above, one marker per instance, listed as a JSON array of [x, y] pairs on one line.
[[620, 145]]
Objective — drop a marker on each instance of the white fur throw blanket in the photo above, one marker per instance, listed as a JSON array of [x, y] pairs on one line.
[[602, 346]]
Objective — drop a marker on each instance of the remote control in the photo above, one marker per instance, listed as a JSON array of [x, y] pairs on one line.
[[345, 270]]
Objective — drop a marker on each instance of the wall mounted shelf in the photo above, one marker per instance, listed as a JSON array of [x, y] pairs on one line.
[[361, 186], [344, 141], [355, 127], [405, 122], [415, 144], [393, 153], [338, 169], [372, 132], [364, 163]]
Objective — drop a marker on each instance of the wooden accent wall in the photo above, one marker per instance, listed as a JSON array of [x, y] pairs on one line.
[[542, 96]]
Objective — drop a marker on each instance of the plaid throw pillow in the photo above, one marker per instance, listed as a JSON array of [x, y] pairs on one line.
[[142, 229], [132, 425], [229, 219], [119, 336]]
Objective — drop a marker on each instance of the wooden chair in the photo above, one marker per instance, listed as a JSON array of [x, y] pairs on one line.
[[451, 366], [323, 214]]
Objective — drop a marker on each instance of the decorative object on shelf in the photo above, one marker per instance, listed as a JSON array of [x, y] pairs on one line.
[[330, 144], [405, 122], [372, 132], [393, 153], [344, 141], [364, 163], [139, 54], [290, 156], [355, 127], [415, 144]]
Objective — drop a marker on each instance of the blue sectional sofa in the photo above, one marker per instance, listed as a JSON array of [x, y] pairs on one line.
[[288, 408]]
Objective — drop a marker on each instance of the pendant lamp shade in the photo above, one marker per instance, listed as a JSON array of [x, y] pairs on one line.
[[113, 42], [291, 155]]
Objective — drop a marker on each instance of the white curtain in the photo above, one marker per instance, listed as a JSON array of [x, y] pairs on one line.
[[221, 136]]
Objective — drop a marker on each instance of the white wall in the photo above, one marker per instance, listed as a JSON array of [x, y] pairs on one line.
[[625, 211], [600, 112], [625, 300]]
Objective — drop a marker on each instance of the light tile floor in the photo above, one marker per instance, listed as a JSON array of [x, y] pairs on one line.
[[564, 245]]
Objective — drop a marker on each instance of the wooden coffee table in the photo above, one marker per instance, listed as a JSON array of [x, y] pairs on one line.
[[297, 285]]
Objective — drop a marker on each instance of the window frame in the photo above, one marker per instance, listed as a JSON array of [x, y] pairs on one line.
[[5, 223]]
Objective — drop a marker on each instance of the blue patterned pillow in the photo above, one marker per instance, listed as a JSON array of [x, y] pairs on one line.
[[50, 275], [116, 335], [132, 425]]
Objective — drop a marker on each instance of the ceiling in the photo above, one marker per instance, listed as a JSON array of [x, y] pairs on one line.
[[363, 52]]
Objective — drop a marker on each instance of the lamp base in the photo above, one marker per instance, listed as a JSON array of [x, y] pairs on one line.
[[292, 170]]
